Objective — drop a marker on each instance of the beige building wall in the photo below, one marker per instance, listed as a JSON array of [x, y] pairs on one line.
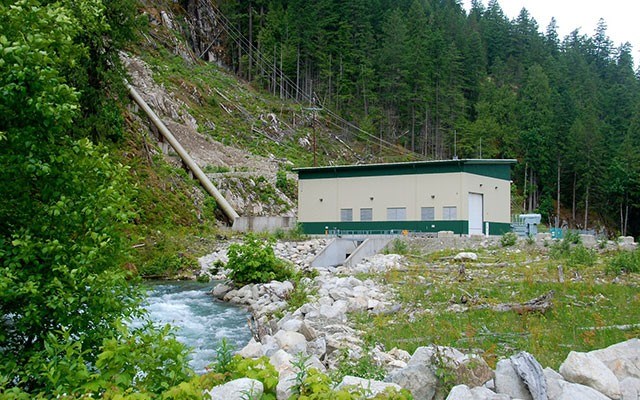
[[322, 199]]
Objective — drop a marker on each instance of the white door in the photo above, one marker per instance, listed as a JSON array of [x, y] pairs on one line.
[[475, 214]]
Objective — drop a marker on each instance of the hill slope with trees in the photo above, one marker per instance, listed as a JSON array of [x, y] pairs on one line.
[[426, 73]]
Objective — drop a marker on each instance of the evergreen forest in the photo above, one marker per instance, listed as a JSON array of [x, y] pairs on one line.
[[443, 82]]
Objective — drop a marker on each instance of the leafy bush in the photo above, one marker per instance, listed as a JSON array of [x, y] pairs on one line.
[[624, 262], [580, 256], [255, 262], [508, 239], [397, 246]]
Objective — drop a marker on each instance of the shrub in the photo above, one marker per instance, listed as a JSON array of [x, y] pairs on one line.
[[508, 239], [363, 367], [624, 262], [397, 246], [255, 262]]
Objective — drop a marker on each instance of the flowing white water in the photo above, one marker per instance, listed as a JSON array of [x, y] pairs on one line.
[[201, 321]]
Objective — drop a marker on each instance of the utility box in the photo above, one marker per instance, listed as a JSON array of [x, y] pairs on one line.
[[530, 223]]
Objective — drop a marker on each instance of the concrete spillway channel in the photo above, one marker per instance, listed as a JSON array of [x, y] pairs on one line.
[[350, 250], [231, 214]]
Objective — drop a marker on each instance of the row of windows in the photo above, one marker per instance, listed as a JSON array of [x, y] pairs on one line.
[[400, 214]]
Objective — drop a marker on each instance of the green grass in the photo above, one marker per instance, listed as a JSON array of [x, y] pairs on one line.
[[580, 319]]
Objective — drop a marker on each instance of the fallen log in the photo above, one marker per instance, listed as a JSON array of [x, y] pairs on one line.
[[540, 304]]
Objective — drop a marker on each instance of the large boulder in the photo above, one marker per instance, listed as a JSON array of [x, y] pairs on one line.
[[586, 369], [418, 377], [530, 371], [238, 389], [253, 349], [291, 342], [221, 289], [463, 392], [369, 386], [630, 388], [509, 382], [623, 359]]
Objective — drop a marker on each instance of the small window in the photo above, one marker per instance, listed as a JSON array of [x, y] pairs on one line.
[[427, 213], [366, 214], [346, 214], [396, 213], [449, 213]]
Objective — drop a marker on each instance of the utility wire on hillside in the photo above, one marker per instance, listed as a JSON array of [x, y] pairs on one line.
[[257, 57]]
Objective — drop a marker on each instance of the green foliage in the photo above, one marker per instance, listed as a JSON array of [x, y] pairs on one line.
[[624, 262], [362, 367], [303, 288], [397, 246], [145, 360], [223, 362], [286, 185], [254, 261], [508, 239], [168, 265], [318, 386]]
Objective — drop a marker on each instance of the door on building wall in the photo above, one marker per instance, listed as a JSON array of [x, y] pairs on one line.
[[475, 213]]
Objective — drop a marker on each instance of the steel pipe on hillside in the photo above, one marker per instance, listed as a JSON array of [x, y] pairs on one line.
[[204, 180]]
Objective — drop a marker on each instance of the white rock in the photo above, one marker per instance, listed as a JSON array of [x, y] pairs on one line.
[[630, 388], [466, 256], [463, 392], [238, 389], [420, 380], [280, 289], [291, 342], [317, 347], [292, 325], [508, 381], [284, 388], [588, 370], [253, 349], [400, 354], [308, 331], [220, 290], [372, 387], [269, 345], [554, 383], [282, 362], [623, 359], [336, 312], [358, 303], [575, 391]]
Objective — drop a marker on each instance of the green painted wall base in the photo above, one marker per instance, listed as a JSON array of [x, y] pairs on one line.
[[379, 227]]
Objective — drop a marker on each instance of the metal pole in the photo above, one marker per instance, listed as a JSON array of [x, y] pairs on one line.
[[204, 180]]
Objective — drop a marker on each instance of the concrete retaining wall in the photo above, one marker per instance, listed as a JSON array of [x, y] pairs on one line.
[[263, 224], [335, 253], [368, 248]]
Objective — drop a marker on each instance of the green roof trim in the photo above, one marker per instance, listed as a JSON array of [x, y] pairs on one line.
[[493, 168]]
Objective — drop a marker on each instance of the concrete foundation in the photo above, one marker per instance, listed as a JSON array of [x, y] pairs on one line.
[[263, 224]]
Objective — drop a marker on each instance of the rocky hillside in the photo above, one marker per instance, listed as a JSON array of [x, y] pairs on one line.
[[246, 140]]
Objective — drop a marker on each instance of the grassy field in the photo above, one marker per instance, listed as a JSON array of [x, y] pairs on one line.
[[443, 306]]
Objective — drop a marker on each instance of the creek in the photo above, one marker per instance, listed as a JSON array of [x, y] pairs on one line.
[[201, 322]]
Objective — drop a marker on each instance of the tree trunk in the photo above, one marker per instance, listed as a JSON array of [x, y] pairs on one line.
[[558, 198], [524, 188], [250, 41], [586, 208], [573, 204]]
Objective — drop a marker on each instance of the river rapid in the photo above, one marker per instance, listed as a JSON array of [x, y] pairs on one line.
[[201, 321]]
